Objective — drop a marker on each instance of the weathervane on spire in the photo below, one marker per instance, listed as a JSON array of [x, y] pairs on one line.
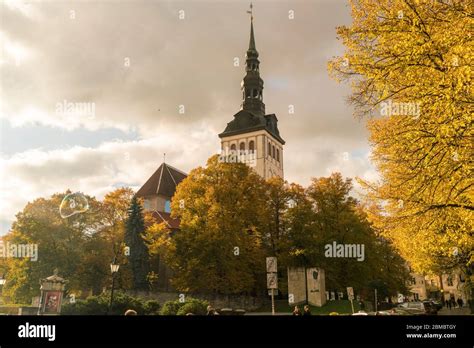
[[251, 12]]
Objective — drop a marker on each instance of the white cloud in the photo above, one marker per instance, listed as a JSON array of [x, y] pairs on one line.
[[14, 52], [96, 171], [22, 7]]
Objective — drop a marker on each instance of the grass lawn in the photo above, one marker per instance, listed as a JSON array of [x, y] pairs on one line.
[[340, 306]]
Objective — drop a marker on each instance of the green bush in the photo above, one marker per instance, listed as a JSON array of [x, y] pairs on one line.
[[99, 305], [192, 305], [152, 307], [93, 305], [171, 308], [123, 302]]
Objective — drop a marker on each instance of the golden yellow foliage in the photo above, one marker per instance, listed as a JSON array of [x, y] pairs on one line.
[[413, 60]]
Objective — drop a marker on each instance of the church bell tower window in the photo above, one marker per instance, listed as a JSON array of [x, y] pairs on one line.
[[251, 146]]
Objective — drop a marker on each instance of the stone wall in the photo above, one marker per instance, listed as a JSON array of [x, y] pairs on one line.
[[16, 310]]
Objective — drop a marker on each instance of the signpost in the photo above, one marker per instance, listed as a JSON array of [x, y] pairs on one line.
[[350, 295], [272, 279], [375, 300], [400, 298]]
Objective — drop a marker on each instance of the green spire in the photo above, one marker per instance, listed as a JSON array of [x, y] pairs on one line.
[[252, 86], [252, 38]]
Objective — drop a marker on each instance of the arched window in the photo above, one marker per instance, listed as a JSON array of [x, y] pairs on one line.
[[269, 149], [242, 146], [251, 146], [273, 151], [233, 147], [255, 93], [278, 155]]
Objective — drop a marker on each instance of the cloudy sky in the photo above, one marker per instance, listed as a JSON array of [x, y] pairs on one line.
[[136, 65]]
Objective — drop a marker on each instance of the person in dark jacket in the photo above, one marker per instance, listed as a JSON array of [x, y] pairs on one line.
[[211, 311], [306, 310]]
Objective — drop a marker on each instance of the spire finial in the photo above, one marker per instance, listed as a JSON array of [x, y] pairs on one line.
[[251, 12], [164, 157], [252, 38]]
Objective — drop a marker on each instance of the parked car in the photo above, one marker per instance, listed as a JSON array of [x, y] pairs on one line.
[[418, 307], [406, 311]]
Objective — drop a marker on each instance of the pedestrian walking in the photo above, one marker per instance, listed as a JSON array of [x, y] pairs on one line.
[[296, 311], [211, 311], [306, 310]]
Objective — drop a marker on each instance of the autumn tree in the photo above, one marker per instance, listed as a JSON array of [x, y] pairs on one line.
[[219, 246], [81, 245], [277, 198], [326, 212], [60, 244], [108, 242], [410, 63]]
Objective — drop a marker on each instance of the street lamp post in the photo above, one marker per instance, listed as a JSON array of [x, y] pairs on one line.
[[113, 269]]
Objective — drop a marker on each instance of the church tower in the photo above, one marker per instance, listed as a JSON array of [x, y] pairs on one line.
[[253, 135]]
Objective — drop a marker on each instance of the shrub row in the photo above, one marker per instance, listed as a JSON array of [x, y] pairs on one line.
[[99, 305]]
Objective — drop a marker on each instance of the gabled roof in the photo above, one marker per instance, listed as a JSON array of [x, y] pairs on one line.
[[171, 223], [162, 182], [245, 121]]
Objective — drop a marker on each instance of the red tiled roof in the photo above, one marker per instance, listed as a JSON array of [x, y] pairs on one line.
[[160, 217]]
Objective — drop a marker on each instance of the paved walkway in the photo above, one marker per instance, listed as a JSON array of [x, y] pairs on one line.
[[454, 311]]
